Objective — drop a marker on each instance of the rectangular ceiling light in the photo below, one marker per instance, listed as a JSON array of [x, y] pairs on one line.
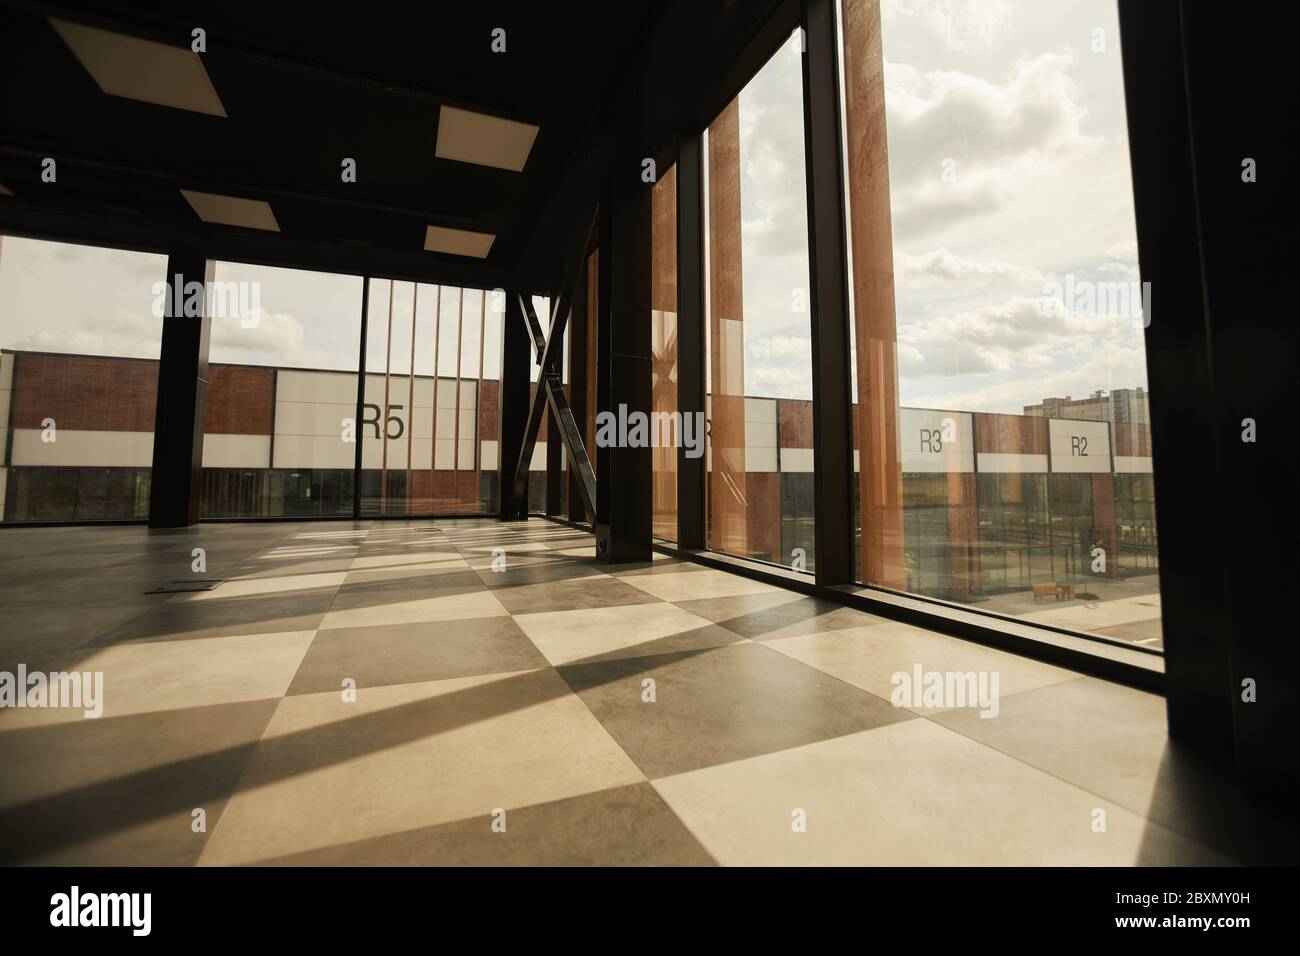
[[485, 140], [232, 211], [142, 70], [458, 242]]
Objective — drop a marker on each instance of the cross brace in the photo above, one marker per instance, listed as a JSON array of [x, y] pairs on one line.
[[550, 389]]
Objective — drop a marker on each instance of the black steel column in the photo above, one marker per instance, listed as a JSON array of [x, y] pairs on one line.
[[1198, 666], [177, 479], [361, 398], [1221, 349], [692, 521], [512, 406], [578, 332], [624, 505], [832, 407], [554, 446]]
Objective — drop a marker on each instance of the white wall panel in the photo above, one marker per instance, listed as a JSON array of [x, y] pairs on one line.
[[236, 451], [1132, 465], [796, 460], [72, 448]]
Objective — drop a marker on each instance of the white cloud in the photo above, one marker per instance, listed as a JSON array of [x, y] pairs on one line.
[[780, 347], [999, 137], [778, 382], [912, 269], [119, 332], [1106, 364], [1126, 271], [277, 339], [961, 24], [1003, 337]]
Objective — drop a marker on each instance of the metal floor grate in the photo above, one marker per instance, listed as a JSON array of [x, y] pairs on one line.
[[193, 584]]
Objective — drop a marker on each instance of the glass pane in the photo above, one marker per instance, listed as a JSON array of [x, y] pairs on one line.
[[537, 466], [80, 333], [760, 355], [663, 334], [430, 459], [1001, 422], [279, 437]]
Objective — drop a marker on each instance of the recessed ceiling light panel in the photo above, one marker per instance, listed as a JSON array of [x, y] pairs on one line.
[[485, 140], [458, 242], [142, 70], [232, 211]]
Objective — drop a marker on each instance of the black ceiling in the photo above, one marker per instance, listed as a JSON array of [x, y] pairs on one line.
[[306, 86]]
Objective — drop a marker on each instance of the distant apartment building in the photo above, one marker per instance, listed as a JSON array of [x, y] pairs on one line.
[[1127, 405]]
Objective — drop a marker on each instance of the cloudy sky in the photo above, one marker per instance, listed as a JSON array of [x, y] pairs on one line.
[[1033, 122], [105, 298], [1010, 91]]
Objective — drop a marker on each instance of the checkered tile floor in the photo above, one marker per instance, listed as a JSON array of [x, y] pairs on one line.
[[556, 711]]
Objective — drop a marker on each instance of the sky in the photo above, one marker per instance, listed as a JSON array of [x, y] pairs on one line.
[[1033, 121], [104, 305], [1011, 92]]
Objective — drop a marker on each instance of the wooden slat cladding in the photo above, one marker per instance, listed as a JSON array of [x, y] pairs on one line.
[[241, 400], [1010, 434], [491, 391], [728, 527], [85, 393], [875, 325], [663, 347], [796, 423]]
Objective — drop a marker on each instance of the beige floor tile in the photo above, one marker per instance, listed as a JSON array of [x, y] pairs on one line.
[[422, 559], [868, 657], [310, 566], [121, 791], [452, 607], [909, 794], [511, 547], [483, 562], [249, 587], [566, 637], [720, 610], [170, 675], [400, 572], [413, 755], [686, 585]]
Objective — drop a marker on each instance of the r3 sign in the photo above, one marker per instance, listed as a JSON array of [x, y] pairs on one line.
[[933, 439]]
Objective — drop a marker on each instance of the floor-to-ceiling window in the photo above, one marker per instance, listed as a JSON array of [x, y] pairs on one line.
[[80, 334], [666, 425], [279, 436], [431, 357], [759, 339], [1002, 431], [537, 477]]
